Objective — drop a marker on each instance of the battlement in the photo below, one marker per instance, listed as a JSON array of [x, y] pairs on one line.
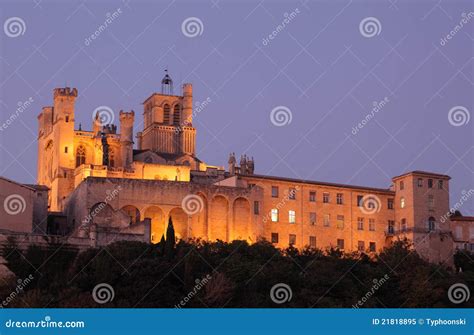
[[109, 129], [65, 91], [127, 115]]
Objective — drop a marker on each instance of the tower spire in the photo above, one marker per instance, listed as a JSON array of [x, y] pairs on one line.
[[167, 84]]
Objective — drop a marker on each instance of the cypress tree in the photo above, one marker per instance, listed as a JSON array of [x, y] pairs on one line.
[[170, 239]]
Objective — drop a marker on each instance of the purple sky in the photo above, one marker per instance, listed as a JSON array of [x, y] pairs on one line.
[[320, 66]]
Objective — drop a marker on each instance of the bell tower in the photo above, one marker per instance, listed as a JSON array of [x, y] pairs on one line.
[[168, 121]]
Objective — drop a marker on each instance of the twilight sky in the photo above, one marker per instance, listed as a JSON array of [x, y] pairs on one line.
[[323, 66]]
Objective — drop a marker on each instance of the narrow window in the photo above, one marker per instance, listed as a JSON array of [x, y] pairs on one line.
[[312, 196], [440, 184], [431, 224], [274, 215], [360, 223], [340, 222], [256, 207], [274, 237], [325, 197], [166, 114], [402, 185], [274, 191], [360, 246], [327, 219], [420, 182], [360, 199], [431, 201], [312, 241], [339, 198], [177, 115], [292, 239], [340, 243], [65, 150], [372, 247], [292, 193], [430, 183], [372, 224], [403, 225], [402, 202], [291, 216], [390, 203], [312, 218], [391, 227]]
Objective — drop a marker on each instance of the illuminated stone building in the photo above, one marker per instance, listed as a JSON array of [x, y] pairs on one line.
[[109, 190]]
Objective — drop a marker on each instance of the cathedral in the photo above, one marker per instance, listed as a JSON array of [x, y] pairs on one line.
[[103, 185]]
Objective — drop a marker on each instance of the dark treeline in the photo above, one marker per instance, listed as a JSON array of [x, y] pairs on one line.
[[202, 274]]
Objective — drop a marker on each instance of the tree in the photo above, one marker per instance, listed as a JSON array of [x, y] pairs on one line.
[[170, 239]]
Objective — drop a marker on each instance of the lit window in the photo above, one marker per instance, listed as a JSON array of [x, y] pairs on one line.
[[360, 246], [402, 202], [340, 221], [80, 156], [312, 218], [274, 191], [292, 239], [339, 198], [292, 216], [325, 197], [327, 219], [340, 243], [430, 183], [312, 196], [274, 215], [372, 224], [360, 223], [312, 241], [274, 237]]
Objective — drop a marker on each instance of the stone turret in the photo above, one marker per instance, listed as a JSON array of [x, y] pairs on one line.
[[188, 104], [126, 137]]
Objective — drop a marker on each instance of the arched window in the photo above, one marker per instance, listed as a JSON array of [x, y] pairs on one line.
[[133, 213], [80, 156], [177, 114], [431, 224], [111, 158], [166, 114]]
